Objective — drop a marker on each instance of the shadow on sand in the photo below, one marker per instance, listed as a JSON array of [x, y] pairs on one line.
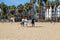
[[33, 26]]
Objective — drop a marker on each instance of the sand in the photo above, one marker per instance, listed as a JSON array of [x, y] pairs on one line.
[[41, 31]]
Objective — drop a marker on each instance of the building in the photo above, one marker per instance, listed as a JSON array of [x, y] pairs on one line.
[[58, 11], [48, 14], [53, 14], [0, 9]]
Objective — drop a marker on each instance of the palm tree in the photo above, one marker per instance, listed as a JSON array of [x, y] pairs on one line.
[[12, 10], [45, 1], [40, 8], [4, 8], [21, 9], [56, 3], [48, 4], [37, 9], [32, 2], [28, 7], [40, 2]]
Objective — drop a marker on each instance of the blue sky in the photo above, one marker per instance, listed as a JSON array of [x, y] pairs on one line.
[[15, 2]]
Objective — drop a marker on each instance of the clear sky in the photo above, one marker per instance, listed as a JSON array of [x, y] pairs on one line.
[[15, 2]]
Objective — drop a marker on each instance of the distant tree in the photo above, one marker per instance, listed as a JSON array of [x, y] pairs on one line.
[[28, 7], [55, 3], [34, 1], [37, 9], [40, 2], [12, 9], [45, 1], [48, 4], [21, 9], [4, 7]]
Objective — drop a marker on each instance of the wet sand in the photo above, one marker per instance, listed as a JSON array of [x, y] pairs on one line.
[[41, 31]]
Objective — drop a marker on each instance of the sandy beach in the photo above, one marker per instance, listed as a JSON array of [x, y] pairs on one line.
[[41, 31]]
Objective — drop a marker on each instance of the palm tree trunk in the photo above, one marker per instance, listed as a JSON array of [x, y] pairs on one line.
[[32, 9], [40, 11]]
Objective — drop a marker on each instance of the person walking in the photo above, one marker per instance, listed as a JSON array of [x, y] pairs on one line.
[[33, 22], [26, 21], [22, 22]]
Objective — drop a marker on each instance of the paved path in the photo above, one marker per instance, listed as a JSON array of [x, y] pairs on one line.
[[42, 31]]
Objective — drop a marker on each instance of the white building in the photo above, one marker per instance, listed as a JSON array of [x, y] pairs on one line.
[[48, 14], [0, 10], [52, 13], [58, 11]]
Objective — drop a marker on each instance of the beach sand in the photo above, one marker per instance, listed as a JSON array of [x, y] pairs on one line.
[[41, 31]]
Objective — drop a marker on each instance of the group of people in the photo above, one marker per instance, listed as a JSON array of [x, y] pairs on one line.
[[25, 22]]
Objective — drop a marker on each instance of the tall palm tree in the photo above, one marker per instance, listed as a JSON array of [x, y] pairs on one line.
[[21, 9], [27, 8], [4, 8], [37, 9], [40, 2], [54, 5], [40, 8], [32, 2]]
